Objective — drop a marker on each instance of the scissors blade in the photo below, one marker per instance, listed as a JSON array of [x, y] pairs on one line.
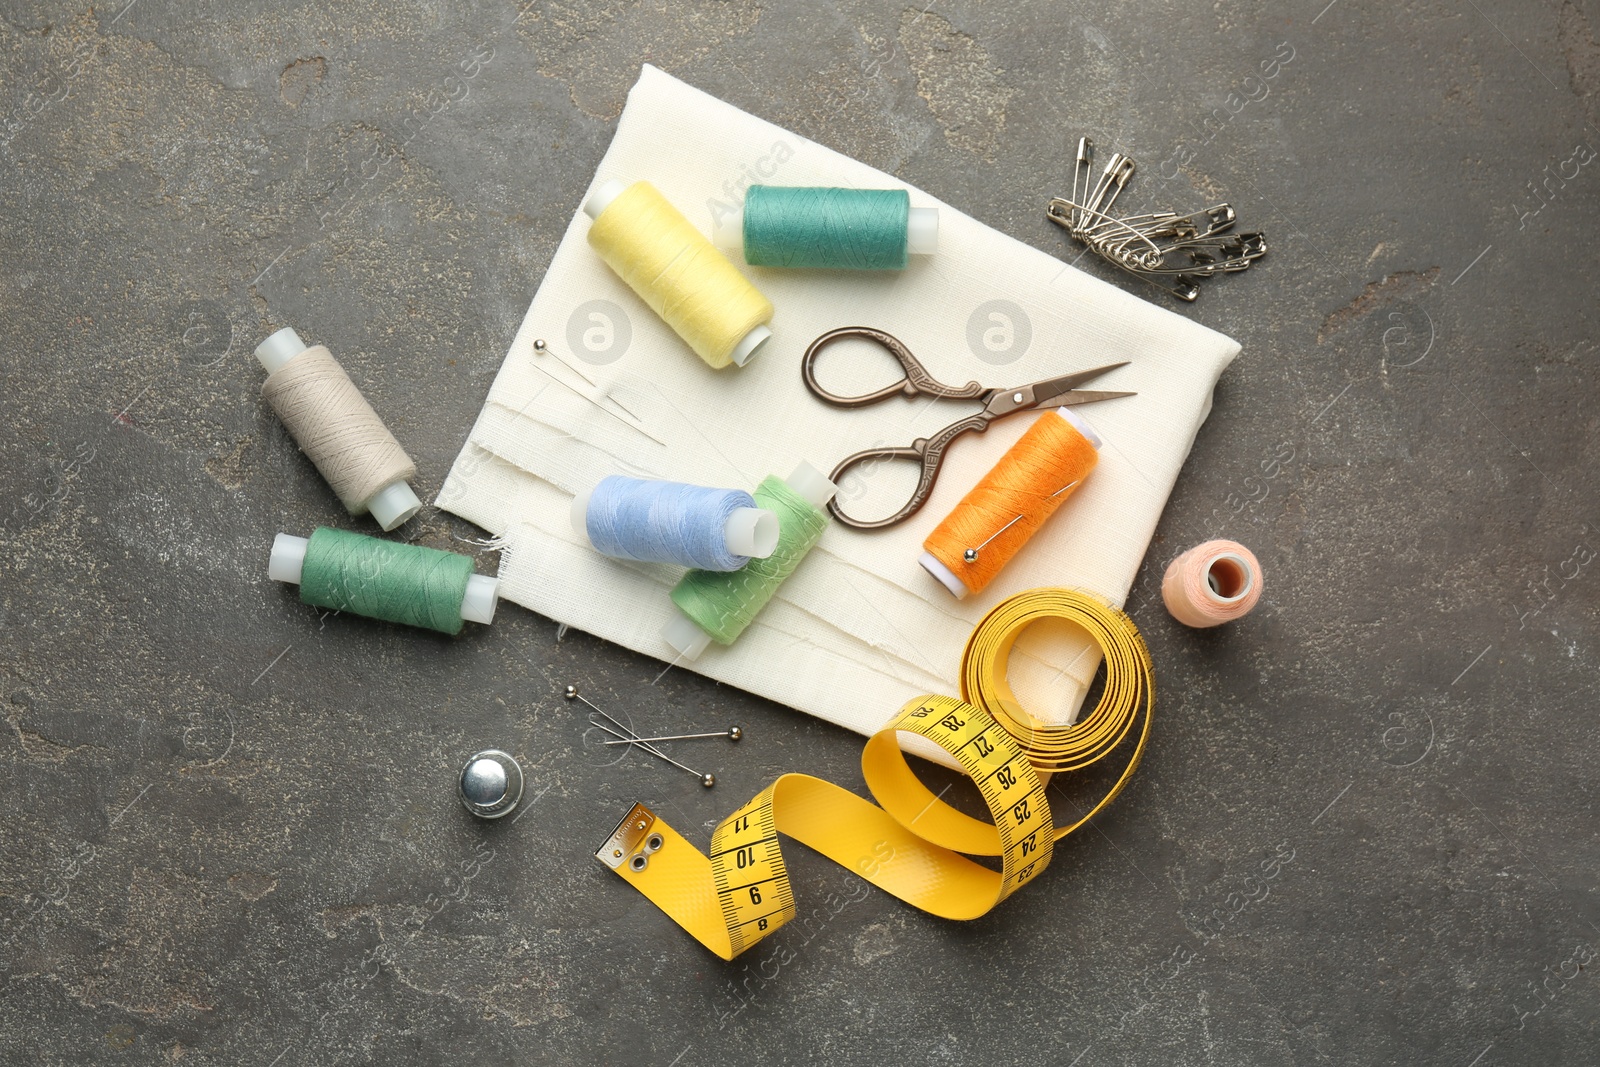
[[1046, 393], [1051, 386], [1073, 397]]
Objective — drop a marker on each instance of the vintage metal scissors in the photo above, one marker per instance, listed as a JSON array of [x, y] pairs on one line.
[[929, 451]]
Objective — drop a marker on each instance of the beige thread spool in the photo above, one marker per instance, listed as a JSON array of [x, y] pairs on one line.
[[1212, 583], [337, 429]]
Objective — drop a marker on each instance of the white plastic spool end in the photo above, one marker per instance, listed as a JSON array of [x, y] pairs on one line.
[[580, 514], [288, 558], [945, 575], [727, 230], [751, 532], [686, 638], [922, 231], [393, 505], [276, 351], [746, 349], [1229, 578], [602, 197], [1082, 426], [811, 486], [480, 599]]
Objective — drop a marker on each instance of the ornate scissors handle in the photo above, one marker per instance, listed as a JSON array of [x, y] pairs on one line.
[[917, 382], [928, 451]]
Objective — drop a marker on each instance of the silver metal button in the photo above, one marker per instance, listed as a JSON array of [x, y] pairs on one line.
[[490, 784]]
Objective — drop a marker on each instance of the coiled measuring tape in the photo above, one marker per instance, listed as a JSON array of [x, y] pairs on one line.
[[1124, 703], [911, 843]]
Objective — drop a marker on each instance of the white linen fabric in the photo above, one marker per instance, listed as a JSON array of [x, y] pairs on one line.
[[860, 628]]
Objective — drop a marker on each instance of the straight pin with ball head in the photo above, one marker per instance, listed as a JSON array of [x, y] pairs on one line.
[[971, 554], [629, 737], [732, 733], [542, 348]]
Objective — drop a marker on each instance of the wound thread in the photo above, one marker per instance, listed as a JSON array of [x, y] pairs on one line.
[[665, 522], [853, 229], [723, 604], [684, 279], [336, 428], [1031, 480], [1212, 583], [386, 580]]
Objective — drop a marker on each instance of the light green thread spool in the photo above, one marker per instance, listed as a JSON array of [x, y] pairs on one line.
[[385, 580], [720, 604], [852, 229]]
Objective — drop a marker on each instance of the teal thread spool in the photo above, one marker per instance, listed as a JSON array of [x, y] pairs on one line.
[[385, 580], [718, 605], [814, 226]]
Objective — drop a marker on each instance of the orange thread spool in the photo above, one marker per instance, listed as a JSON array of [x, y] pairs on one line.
[[994, 521]]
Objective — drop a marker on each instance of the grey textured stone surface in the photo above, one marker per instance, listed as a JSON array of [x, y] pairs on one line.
[[230, 831]]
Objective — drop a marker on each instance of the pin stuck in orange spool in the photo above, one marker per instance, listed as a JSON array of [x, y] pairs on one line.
[[1006, 508]]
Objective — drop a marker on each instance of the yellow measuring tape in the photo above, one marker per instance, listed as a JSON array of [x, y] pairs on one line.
[[911, 843]]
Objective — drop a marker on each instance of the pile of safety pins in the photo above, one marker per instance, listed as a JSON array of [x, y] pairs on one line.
[[1170, 251]]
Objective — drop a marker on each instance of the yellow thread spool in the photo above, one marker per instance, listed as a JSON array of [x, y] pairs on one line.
[[680, 274]]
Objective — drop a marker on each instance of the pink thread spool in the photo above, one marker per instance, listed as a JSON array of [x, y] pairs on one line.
[[1212, 583]]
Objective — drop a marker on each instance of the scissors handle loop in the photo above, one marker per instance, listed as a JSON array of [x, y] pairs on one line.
[[917, 382], [928, 451]]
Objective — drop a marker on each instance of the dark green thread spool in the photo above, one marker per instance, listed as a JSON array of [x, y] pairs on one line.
[[386, 580]]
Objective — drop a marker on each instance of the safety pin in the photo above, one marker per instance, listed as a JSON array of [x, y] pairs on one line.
[[1108, 221], [1237, 253], [1081, 167], [1148, 229], [1145, 265], [1219, 218]]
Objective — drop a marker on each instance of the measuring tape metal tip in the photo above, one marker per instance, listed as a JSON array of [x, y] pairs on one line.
[[633, 839]]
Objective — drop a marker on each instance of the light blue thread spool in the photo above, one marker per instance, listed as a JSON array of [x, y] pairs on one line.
[[669, 522], [814, 226]]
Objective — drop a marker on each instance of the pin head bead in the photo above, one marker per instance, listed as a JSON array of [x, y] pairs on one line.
[[539, 345], [734, 733], [970, 555], [708, 780], [572, 692]]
